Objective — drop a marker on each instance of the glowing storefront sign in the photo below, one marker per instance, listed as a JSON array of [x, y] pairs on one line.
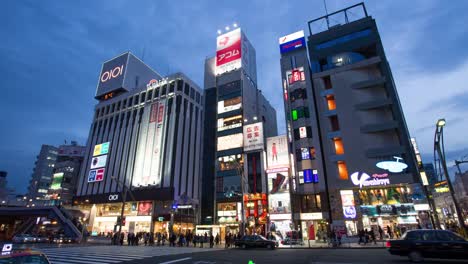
[[253, 137], [113, 73], [229, 105], [363, 179], [292, 41], [421, 207], [56, 181], [101, 149], [311, 216], [153, 83], [392, 166], [277, 152], [228, 51], [347, 201]]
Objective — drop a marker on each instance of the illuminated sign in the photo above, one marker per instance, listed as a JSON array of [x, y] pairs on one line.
[[295, 75], [349, 211], [98, 162], [302, 132], [424, 180], [101, 149], [153, 83], [347, 202], [305, 154], [421, 207], [311, 216], [228, 51], [253, 137], [230, 142], [277, 152], [229, 122], [310, 176], [363, 179], [392, 166], [292, 41], [114, 73], [56, 181], [96, 175], [386, 209], [229, 105]]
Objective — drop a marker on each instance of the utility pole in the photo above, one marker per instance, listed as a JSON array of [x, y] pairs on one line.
[[125, 189]]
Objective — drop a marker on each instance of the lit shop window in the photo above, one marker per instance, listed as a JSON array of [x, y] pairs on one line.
[[305, 154], [301, 112], [302, 132], [298, 94], [230, 162], [308, 176], [229, 105], [229, 122], [339, 150], [342, 170]]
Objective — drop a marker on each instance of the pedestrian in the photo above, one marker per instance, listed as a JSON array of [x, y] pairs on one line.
[[372, 235], [151, 239], [211, 241], [188, 238], [121, 238], [360, 235], [146, 238], [381, 233], [201, 241], [217, 239], [195, 240], [174, 238], [389, 232], [366, 236], [164, 237]]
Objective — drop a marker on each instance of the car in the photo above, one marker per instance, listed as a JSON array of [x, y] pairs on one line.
[[59, 239], [428, 243], [11, 255], [41, 239], [255, 241], [23, 238]]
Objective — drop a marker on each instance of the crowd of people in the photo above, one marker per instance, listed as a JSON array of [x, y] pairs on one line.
[[160, 239]]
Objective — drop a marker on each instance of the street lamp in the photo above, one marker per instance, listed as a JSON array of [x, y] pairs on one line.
[[439, 151]]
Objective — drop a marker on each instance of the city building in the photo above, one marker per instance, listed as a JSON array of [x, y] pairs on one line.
[[367, 157], [461, 193], [6, 194], [65, 174], [309, 199], [243, 118], [144, 148], [42, 175]]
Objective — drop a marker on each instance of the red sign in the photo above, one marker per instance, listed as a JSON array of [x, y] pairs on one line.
[[100, 174], [154, 113], [229, 54], [160, 114], [296, 76]]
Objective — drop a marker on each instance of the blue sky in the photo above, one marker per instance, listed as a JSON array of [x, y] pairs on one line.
[[51, 53]]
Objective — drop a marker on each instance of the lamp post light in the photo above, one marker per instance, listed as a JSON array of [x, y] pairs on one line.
[[439, 151]]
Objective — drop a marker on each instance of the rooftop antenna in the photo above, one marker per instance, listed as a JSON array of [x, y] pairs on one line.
[[326, 12]]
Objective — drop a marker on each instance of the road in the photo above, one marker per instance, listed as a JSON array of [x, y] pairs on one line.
[[168, 255]]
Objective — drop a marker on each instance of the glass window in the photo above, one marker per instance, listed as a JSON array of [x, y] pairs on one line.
[[135, 101], [428, 236], [343, 39], [143, 97], [163, 90], [186, 89], [298, 94], [150, 94], [339, 150], [229, 122], [230, 162], [412, 236], [327, 82], [156, 92], [342, 170], [331, 102], [334, 124], [180, 85], [130, 101], [171, 87], [192, 93], [448, 236], [198, 97]]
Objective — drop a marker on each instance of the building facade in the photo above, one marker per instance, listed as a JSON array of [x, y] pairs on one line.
[[146, 137], [367, 156], [42, 174], [244, 119]]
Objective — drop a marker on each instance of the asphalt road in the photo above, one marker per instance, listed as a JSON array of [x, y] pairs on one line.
[[289, 256]]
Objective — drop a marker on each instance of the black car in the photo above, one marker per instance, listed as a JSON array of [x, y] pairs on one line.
[[426, 243], [255, 241]]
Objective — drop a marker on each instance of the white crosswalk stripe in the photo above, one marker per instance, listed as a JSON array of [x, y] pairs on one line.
[[111, 254]]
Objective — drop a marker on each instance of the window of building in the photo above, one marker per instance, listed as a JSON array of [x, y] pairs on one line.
[[343, 39], [142, 97], [230, 162], [334, 124], [171, 87], [198, 97], [186, 89], [118, 105], [192, 93], [150, 95], [112, 108], [180, 85], [342, 170], [318, 201], [327, 82], [331, 102], [339, 150], [107, 109], [97, 112], [156, 92], [229, 122], [298, 94], [130, 101], [301, 112], [135, 100], [163, 89]]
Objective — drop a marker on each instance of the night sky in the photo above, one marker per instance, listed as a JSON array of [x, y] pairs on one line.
[[51, 54]]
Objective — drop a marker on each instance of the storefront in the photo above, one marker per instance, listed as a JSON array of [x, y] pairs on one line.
[[256, 213], [229, 215], [313, 226]]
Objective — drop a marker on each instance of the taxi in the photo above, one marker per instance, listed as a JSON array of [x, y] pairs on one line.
[[9, 255]]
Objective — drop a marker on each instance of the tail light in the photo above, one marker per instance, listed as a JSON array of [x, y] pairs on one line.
[[388, 244]]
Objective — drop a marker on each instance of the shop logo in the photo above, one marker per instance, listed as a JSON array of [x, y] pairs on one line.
[[113, 197], [349, 211], [392, 166], [224, 41], [363, 179], [110, 74]]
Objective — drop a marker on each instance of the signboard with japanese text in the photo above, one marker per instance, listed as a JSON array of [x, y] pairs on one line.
[[253, 137]]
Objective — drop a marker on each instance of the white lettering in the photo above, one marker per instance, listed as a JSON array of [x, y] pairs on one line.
[[114, 73], [113, 197]]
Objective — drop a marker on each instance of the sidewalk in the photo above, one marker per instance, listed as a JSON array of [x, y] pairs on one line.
[[351, 242]]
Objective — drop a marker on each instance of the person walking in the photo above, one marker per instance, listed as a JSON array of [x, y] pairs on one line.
[[211, 241], [122, 236], [195, 240], [164, 238], [372, 235], [217, 239], [366, 236], [389, 232], [381, 233], [146, 238], [201, 241], [360, 235]]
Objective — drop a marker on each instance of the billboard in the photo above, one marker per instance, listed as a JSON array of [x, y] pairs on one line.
[[292, 42], [279, 201], [228, 51], [56, 181], [98, 162], [101, 149], [253, 137], [145, 208], [277, 152], [229, 105], [96, 175], [230, 142], [112, 74]]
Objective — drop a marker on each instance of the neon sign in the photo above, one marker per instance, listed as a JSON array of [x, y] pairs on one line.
[[392, 166], [363, 179], [110, 74], [349, 211]]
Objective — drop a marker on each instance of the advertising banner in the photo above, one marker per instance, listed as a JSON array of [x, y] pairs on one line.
[[56, 181], [101, 149], [347, 201], [96, 175], [145, 208], [279, 200], [98, 162], [253, 137], [277, 152], [112, 74], [228, 51], [229, 105], [292, 41], [230, 142]]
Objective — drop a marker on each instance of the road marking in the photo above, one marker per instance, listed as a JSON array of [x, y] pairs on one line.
[[174, 261]]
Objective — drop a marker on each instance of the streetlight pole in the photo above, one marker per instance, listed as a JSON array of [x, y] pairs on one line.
[[440, 150]]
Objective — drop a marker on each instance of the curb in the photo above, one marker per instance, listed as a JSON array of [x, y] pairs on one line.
[[330, 248]]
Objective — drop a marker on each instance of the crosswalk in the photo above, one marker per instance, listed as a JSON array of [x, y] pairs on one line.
[[112, 254]]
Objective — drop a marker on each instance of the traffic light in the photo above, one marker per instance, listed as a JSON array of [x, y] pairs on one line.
[[123, 221], [118, 220]]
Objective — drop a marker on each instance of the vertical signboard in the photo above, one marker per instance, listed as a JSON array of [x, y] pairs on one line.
[[56, 181], [228, 51], [278, 193], [347, 201], [157, 144], [277, 152], [253, 137]]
